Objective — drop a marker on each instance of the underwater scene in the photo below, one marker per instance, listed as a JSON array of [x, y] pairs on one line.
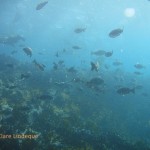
[[74, 75]]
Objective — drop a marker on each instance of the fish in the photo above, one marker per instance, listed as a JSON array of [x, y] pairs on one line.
[[57, 54], [72, 70], [41, 5], [145, 94], [11, 86], [39, 66], [79, 30], [21, 45], [94, 66], [64, 50], [98, 53], [14, 52], [138, 87], [139, 66], [117, 63], [45, 97], [55, 66], [108, 54], [138, 73], [9, 65], [106, 66], [76, 47], [94, 82], [125, 90], [28, 51], [60, 62], [77, 80], [116, 32], [11, 40], [25, 75], [17, 17], [15, 39], [3, 40]]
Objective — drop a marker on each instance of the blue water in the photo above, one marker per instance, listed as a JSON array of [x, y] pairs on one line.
[[50, 30]]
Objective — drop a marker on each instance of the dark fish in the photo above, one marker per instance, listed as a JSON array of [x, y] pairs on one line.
[[60, 62], [41, 5], [76, 47], [117, 63], [64, 50], [106, 66], [139, 66], [11, 86], [125, 90], [57, 54], [39, 66], [17, 17], [138, 73], [28, 51], [94, 66], [77, 80], [15, 39], [138, 87], [21, 45], [116, 32], [11, 40], [55, 66], [99, 52], [145, 94], [3, 40], [108, 54], [14, 52], [25, 75], [9, 65], [72, 70], [79, 30], [45, 97], [95, 82], [40, 53]]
